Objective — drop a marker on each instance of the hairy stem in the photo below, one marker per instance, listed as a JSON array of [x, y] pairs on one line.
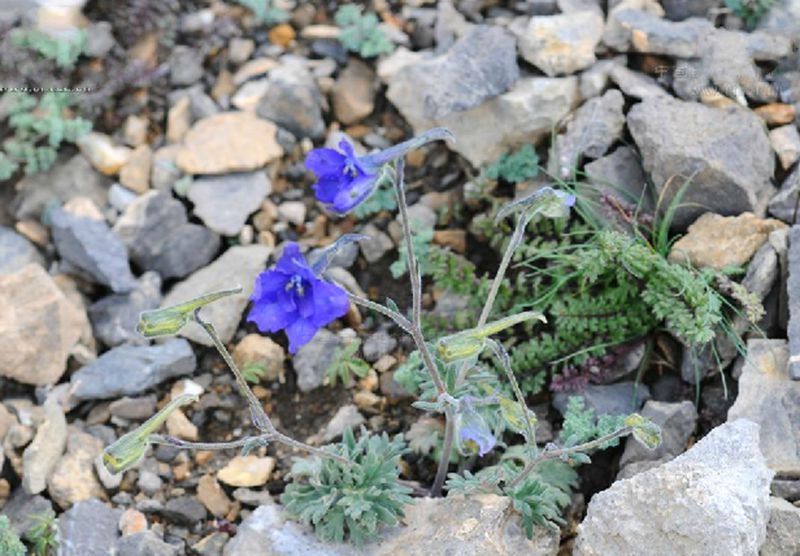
[[399, 319], [167, 440], [502, 355], [516, 239], [561, 452], [444, 459]]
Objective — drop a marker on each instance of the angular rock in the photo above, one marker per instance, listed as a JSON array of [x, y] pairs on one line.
[[185, 65], [41, 324], [211, 495], [784, 523], [223, 203], [783, 204], [792, 283], [715, 241], [346, 417], [22, 509], [635, 84], [145, 543], [354, 93], [63, 181], [293, 101], [16, 252], [562, 44], [480, 66], [103, 153], [130, 370], [92, 247], [41, 456], [677, 421], [73, 479], [786, 143], [713, 499], [595, 127], [677, 10], [782, 17], [769, 397], [725, 153], [378, 345], [114, 317], [159, 237], [184, 510], [134, 409], [311, 360], [247, 471], [89, 528], [239, 265], [228, 142], [378, 244], [135, 175], [619, 174], [607, 399], [255, 349]]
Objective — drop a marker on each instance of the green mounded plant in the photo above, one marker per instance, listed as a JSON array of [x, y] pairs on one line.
[[346, 364], [39, 127], [382, 199], [265, 12], [361, 32], [63, 51], [43, 536], [751, 11], [516, 167], [350, 500], [10, 545], [254, 371]]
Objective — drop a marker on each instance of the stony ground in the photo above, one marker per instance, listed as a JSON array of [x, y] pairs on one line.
[[193, 177]]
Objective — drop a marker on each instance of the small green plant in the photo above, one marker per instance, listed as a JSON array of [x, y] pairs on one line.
[[751, 11], [421, 244], [10, 545], [361, 33], [63, 51], [515, 167], [382, 199], [39, 126], [346, 364], [265, 12], [254, 371], [43, 536], [350, 501]]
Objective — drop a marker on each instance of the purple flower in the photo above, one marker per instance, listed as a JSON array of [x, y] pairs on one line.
[[474, 432], [343, 180], [291, 297]]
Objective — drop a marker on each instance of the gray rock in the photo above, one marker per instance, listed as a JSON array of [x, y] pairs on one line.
[[677, 10], [131, 370], [237, 266], [184, 510], [787, 489], [22, 509], [607, 399], [91, 246], [89, 528], [62, 182], [377, 244], [293, 101], [185, 65], [149, 482], [114, 317], [134, 409], [595, 127], [41, 456], [16, 251], [99, 39], [377, 345], [793, 282], [769, 397], [353, 94], [620, 174], [677, 422], [635, 84], [564, 43], [782, 527], [725, 153], [120, 197], [713, 499], [145, 543], [312, 360], [346, 417], [784, 204], [224, 202], [159, 237], [344, 257], [478, 67], [450, 25], [594, 80], [782, 17]]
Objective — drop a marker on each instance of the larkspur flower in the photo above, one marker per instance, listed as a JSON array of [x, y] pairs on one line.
[[473, 431], [293, 298], [345, 180]]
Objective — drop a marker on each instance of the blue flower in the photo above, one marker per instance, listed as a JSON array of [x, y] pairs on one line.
[[474, 432], [343, 180], [291, 297]]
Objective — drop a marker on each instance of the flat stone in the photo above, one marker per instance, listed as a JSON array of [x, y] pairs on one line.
[[785, 141], [311, 360], [769, 397], [134, 409], [40, 322], [184, 510], [159, 237], [562, 44], [717, 242], [224, 203], [255, 349], [145, 543], [63, 181], [713, 499], [293, 101], [41, 456], [478, 67], [73, 479], [22, 509], [783, 204], [619, 174], [228, 142], [186, 65], [776, 113], [594, 128], [346, 417], [793, 282], [726, 153], [91, 246], [135, 175], [635, 84], [377, 345], [211, 495], [130, 370], [237, 266], [211, 545], [249, 94], [106, 157], [610, 399], [89, 528], [354, 93], [16, 252], [114, 317], [179, 426], [784, 522], [677, 421], [247, 471]]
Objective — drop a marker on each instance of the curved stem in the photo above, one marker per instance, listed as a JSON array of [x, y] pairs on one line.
[[399, 319], [289, 441], [444, 459], [502, 354]]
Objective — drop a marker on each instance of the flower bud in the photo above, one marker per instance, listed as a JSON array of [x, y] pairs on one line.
[[169, 320]]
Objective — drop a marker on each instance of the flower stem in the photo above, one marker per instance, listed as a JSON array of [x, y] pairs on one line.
[[502, 355], [546, 454], [167, 440], [399, 319], [444, 459]]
